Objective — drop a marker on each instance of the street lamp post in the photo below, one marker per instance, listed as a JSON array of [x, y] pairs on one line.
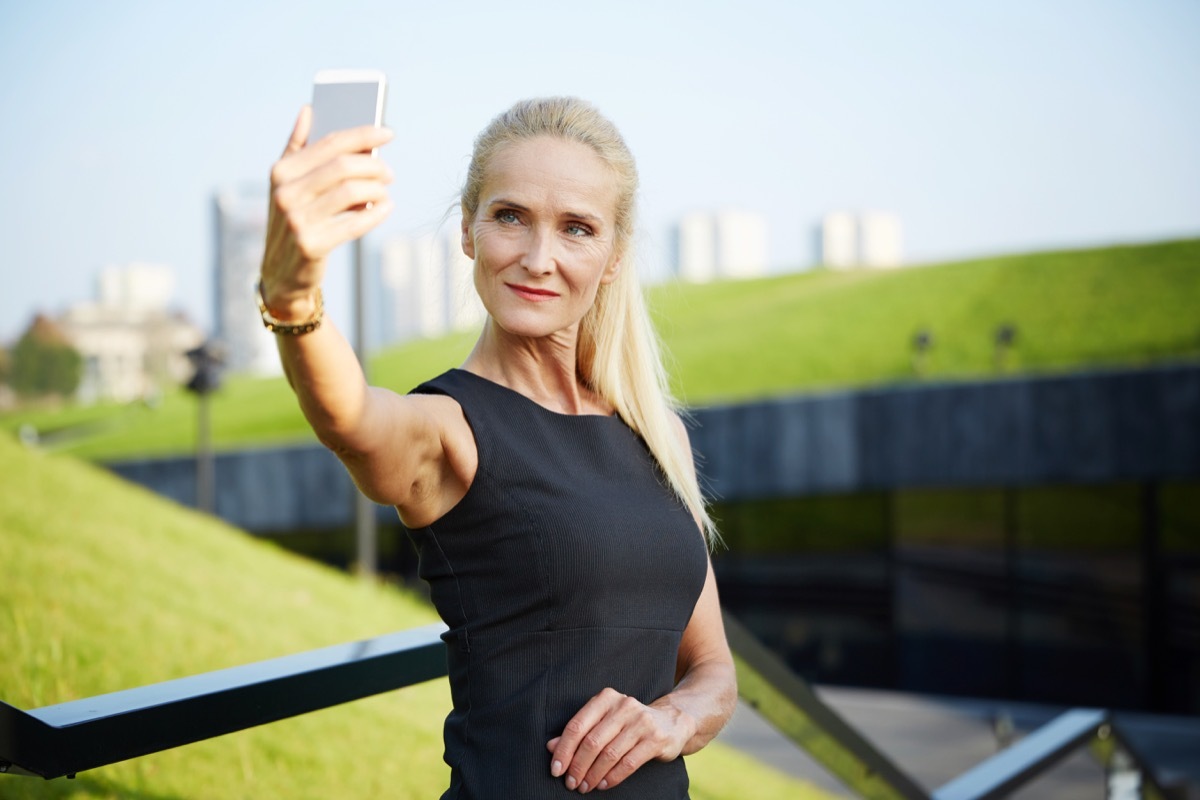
[[206, 379], [365, 535]]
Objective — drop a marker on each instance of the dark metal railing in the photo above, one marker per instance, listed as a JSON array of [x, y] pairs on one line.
[[58, 740], [61, 740], [778, 695]]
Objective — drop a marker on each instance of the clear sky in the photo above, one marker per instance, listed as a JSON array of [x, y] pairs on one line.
[[987, 127]]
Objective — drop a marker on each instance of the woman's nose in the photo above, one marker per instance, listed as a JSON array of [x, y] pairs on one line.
[[538, 258]]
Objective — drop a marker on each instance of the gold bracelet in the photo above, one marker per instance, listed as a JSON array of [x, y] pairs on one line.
[[294, 329]]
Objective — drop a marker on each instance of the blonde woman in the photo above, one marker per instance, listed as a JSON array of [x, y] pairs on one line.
[[547, 483]]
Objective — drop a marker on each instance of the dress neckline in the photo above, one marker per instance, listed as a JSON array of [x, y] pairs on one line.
[[531, 401]]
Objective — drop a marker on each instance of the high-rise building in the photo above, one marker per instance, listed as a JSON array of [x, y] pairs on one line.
[[240, 226], [466, 309], [428, 284], [880, 240], [868, 239], [411, 274], [741, 244], [722, 244], [696, 248], [839, 240]]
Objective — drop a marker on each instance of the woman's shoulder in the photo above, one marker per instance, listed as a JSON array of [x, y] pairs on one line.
[[448, 383]]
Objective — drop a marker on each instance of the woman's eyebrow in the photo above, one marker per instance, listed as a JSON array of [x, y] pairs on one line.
[[504, 201], [584, 216]]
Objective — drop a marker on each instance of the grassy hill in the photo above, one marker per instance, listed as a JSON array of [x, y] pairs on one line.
[[1107, 307], [1116, 306], [107, 587]]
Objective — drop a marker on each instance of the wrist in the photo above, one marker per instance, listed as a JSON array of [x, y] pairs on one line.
[[684, 725], [295, 314], [288, 306]]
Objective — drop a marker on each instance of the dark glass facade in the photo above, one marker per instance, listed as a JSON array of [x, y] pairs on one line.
[[1072, 594]]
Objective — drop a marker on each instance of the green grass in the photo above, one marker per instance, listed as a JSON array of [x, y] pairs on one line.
[[106, 587], [1111, 307], [1118, 306]]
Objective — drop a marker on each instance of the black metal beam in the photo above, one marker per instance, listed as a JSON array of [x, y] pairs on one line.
[[63, 739], [1022, 762], [783, 699]]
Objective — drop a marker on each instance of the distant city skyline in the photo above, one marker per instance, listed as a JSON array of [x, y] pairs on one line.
[[985, 129]]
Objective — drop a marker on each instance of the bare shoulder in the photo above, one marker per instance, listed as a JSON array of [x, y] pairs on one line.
[[440, 482], [415, 452]]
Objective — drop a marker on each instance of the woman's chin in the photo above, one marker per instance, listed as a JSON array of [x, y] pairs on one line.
[[526, 326]]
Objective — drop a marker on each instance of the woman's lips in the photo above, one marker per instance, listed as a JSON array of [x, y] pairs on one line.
[[530, 293]]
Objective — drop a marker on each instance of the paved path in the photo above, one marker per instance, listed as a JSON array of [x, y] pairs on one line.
[[935, 739]]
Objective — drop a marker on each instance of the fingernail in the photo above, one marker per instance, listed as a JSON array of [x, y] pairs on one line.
[[570, 782], [603, 784], [583, 788], [556, 768]]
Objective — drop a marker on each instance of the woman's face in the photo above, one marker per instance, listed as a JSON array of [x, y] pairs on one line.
[[543, 237]]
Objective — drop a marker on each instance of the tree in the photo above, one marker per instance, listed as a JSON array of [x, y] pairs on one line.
[[44, 362]]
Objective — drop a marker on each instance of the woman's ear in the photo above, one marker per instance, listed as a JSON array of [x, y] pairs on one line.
[[611, 271], [468, 241]]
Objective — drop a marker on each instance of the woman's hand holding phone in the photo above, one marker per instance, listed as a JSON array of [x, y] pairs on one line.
[[323, 193]]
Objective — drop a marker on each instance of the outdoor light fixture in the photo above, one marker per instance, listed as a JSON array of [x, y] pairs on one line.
[[1005, 337], [922, 343]]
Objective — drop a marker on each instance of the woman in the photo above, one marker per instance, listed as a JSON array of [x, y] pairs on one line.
[[547, 484]]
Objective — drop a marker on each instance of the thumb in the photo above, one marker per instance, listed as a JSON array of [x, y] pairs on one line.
[[553, 743], [300, 130]]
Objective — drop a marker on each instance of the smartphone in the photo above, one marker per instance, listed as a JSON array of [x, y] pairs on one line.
[[346, 98]]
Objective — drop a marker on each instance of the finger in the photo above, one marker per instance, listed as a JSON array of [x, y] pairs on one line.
[[299, 130], [362, 139], [605, 743], [329, 176], [311, 198], [341, 198], [355, 224], [592, 712], [307, 173], [614, 753], [311, 243], [628, 764]]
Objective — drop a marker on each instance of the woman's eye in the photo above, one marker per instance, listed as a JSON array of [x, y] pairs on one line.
[[506, 216], [578, 230]]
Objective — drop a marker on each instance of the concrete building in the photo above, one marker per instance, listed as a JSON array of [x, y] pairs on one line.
[[412, 275], [428, 287], [240, 225], [741, 244], [722, 244], [132, 345], [135, 287], [696, 248], [839, 241], [465, 308], [880, 239], [848, 240]]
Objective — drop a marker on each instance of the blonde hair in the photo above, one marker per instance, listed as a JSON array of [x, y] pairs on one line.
[[618, 353]]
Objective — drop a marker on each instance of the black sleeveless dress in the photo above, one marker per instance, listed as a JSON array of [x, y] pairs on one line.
[[568, 567]]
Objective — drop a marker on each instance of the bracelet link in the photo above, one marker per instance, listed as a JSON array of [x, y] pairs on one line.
[[292, 329]]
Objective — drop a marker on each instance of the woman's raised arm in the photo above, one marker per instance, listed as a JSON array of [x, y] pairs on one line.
[[404, 451]]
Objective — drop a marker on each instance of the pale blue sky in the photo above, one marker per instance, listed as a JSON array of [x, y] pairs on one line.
[[988, 127]]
